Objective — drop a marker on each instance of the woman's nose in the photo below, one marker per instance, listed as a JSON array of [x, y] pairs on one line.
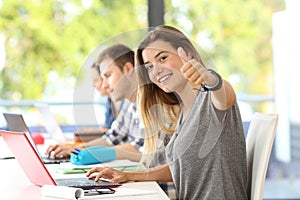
[[157, 69]]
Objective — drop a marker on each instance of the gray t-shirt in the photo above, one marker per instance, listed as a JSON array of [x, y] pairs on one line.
[[207, 153], [159, 158]]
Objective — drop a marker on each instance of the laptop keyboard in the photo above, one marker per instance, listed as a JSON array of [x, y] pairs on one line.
[[85, 183], [49, 160]]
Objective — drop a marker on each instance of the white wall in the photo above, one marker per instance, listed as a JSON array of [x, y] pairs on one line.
[[286, 61]]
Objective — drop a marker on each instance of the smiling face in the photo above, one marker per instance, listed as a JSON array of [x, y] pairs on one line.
[[163, 65]]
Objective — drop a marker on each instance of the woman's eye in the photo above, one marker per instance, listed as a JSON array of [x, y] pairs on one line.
[[163, 58], [149, 67]]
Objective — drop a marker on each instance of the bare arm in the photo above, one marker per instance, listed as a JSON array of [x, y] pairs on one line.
[[95, 142], [197, 74], [127, 151], [65, 150], [161, 173], [222, 98], [123, 151], [225, 97], [87, 130]]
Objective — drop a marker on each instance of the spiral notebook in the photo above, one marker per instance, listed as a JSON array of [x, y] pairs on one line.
[[27, 157]]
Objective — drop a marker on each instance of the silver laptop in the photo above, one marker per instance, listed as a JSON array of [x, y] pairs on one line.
[[15, 122], [50, 123]]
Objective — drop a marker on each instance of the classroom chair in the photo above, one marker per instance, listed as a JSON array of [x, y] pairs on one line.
[[259, 143]]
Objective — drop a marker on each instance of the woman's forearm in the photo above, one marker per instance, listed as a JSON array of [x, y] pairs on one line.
[[225, 97], [127, 151], [161, 173]]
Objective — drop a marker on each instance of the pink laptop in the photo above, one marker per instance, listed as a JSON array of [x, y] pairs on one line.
[[36, 170]]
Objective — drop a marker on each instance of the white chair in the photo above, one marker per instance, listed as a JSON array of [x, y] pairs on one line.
[[259, 143]]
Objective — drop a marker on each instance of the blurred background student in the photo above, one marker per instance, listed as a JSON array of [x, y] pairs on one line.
[[126, 135], [85, 134]]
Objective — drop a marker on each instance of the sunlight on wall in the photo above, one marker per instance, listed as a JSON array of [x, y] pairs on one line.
[[286, 44]]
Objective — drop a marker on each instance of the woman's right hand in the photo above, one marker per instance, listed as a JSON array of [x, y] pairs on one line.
[[107, 173]]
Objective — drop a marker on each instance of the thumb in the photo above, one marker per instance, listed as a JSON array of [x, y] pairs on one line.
[[182, 55]]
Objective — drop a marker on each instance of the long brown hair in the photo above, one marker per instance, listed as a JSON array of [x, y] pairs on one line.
[[159, 110]]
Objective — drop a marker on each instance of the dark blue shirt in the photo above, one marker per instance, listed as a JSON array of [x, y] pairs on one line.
[[109, 114]]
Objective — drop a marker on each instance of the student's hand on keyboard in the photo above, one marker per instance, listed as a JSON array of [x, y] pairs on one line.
[[59, 150], [113, 175]]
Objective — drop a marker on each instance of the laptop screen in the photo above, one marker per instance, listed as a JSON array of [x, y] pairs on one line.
[[35, 169], [27, 157], [15, 122], [50, 123]]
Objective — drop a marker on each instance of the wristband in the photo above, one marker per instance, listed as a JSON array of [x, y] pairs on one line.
[[218, 84], [93, 155]]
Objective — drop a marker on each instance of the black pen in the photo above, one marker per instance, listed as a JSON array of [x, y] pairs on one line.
[[75, 151], [7, 158]]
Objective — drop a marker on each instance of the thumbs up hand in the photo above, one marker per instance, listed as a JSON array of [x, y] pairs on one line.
[[193, 70]]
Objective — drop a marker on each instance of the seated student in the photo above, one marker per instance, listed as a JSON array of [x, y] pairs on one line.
[[119, 80], [111, 108], [126, 134], [110, 111], [129, 82], [206, 155]]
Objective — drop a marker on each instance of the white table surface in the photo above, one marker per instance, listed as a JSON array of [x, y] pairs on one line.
[[14, 184]]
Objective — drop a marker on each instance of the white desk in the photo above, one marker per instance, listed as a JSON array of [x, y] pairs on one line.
[[14, 184]]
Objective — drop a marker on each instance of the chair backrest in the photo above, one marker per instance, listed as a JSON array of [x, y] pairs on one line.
[[259, 143]]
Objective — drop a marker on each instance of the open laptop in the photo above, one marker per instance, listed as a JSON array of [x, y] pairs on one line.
[[15, 122], [55, 131], [36, 170], [50, 123]]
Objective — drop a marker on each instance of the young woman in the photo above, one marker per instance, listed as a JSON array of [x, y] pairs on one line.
[[206, 155]]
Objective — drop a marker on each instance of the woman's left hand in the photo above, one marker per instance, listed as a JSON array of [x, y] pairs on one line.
[[194, 71], [107, 173], [191, 68]]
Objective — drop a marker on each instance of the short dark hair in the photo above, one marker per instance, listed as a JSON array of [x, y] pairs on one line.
[[119, 53], [96, 66]]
